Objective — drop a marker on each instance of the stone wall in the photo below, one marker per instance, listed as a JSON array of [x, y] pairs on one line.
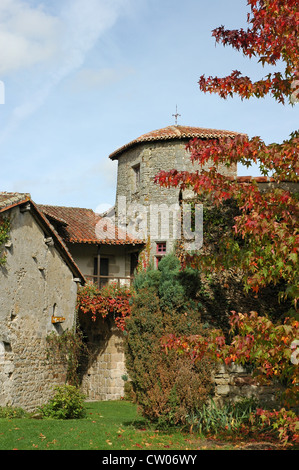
[[139, 197], [103, 369], [35, 284], [104, 372], [233, 383], [152, 158]]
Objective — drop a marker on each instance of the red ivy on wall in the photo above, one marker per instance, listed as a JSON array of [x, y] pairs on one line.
[[110, 300]]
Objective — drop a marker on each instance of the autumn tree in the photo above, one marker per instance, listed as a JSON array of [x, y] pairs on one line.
[[264, 241]]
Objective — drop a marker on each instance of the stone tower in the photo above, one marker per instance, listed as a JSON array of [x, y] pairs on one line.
[[143, 207]]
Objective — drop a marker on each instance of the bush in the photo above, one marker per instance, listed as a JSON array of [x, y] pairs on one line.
[[67, 403], [10, 412], [282, 424], [166, 387]]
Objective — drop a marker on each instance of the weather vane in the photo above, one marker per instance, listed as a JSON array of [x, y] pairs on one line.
[[176, 115]]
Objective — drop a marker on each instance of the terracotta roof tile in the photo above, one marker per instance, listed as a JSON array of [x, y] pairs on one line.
[[10, 200], [257, 179], [78, 225], [175, 132]]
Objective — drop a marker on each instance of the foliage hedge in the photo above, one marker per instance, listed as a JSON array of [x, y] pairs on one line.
[[67, 403], [167, 387]]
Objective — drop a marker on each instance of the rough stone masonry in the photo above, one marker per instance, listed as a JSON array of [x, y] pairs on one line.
[[36, 284]]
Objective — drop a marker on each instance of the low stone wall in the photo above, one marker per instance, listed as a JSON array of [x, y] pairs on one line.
[[102, 375], [233, 383]]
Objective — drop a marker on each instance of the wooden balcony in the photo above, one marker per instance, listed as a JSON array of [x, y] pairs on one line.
[[101, 281]]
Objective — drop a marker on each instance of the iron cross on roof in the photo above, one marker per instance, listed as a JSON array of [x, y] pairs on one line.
[[176, 115]]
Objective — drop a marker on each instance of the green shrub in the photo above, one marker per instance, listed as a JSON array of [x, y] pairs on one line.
[[166, 387], [67, 403], [10, 412]]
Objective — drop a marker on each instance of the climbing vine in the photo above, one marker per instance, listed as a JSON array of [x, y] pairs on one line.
[[4, 235], [111, 300], [144, 257], [67, 348]]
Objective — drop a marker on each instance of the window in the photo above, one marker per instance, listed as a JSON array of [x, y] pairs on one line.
[[161, 248], [136, 170], [133, 263], [104, 270], [160, 251], [104, 267]]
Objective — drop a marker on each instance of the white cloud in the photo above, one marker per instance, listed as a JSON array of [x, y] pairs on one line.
[[30, 35], [90, 79]]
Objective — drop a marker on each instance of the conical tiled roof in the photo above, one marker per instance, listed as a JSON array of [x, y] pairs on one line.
[[174, 133]]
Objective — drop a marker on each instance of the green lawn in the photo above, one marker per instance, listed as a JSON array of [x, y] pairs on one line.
[[108, 426]]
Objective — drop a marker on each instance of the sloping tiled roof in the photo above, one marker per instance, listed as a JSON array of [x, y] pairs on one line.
[[78, 225], [173, 133], [10, 200]]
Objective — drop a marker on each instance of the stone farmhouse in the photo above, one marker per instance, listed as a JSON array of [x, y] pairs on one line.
[[38, 296], [52, 249], [100, 249]]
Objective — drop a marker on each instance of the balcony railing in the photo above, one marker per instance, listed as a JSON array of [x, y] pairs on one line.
[[101, 281]]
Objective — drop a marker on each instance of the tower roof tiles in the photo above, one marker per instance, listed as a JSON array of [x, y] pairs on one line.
[[174, 133]]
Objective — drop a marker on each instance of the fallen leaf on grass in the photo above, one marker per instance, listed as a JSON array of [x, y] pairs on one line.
[[52, 442]]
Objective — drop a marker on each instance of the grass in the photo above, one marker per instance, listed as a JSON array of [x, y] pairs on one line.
[[108, 426]]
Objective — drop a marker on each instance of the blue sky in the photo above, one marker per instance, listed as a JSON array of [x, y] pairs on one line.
[[84, 77]]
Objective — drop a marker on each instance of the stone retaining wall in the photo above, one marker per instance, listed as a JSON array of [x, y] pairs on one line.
[[234, 382]]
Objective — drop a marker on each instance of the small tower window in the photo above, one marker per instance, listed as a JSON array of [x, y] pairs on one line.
[[160, 251], [161, 248], [136, 170]]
